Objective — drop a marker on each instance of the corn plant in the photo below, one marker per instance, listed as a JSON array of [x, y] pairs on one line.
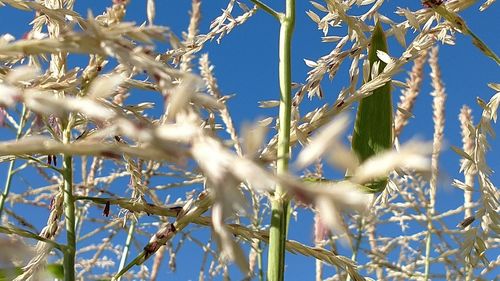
[[102, 185]]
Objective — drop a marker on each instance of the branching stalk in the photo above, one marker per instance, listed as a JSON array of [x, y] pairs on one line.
[[280, 204], [267, 9]]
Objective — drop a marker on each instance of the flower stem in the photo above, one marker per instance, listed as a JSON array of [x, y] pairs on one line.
[[69, 211], [126, 249], [280, 204], [10, 172], [259, 262]]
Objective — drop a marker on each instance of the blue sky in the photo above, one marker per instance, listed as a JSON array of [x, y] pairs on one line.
[[246, 65]]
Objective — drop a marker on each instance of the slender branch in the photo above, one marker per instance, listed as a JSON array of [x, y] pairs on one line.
[[28, 234], [138, 260], [126, 249], [10, 171], [460, 24], [125, 203], [267, 9], [280, 204], [36, 160], [439, 122]]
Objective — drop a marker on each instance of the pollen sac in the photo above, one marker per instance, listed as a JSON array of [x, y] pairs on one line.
[[466, 222], [432, 3], [105, 212]]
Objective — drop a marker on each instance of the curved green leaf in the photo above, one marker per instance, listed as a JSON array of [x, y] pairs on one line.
[[373, 127]]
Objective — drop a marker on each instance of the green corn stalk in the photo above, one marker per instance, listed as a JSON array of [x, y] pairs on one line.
[[373, 127]]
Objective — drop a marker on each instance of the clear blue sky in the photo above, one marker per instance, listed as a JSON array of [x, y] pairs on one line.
[[246, 65]]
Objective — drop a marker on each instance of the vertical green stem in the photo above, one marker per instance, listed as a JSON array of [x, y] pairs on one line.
[[428, 253], [259, 262], [69, 211], [126, 249], [8, 181], [279, 215]]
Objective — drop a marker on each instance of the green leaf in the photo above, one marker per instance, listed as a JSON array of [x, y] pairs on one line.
[[56, 270], [373, 127], [9, 273]]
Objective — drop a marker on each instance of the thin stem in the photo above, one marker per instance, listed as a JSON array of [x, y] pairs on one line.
[[126, 249], [438, 107], [69, 211], [355, 251], [428, 244], [280, 204], [267, 9], [136, 261], [10, 171], [259, 262]]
